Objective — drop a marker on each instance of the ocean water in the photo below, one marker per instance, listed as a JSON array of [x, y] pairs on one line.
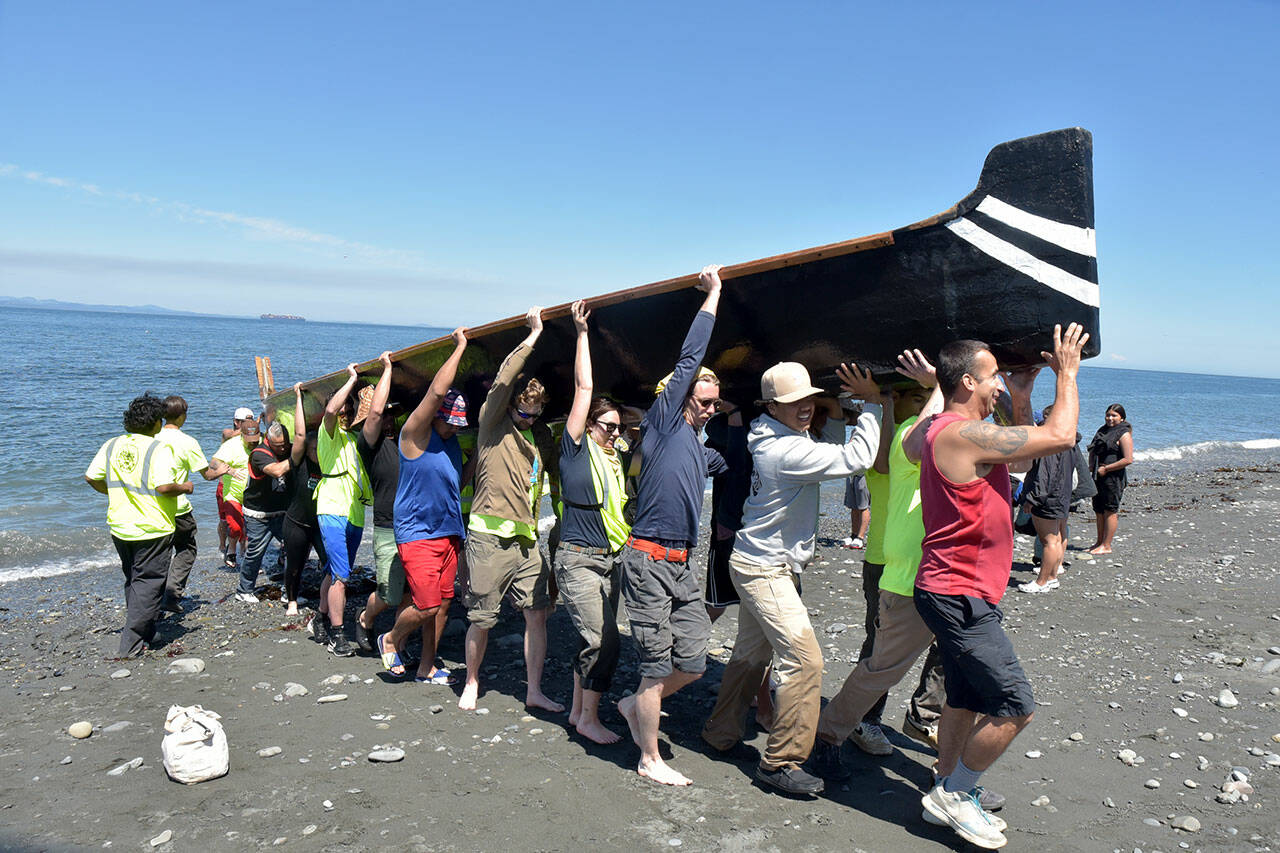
[[72, 373]]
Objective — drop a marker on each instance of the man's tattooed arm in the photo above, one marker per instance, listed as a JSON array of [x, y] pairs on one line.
[[1005, 441]]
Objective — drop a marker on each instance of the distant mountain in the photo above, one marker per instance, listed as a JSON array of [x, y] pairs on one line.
[[58, 305]]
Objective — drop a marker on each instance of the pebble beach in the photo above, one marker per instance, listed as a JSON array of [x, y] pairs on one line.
[[1156, 672]]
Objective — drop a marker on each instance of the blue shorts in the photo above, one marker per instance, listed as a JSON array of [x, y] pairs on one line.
[[341, 540]]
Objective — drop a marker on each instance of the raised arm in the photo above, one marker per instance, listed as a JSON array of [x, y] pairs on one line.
[[980, 443], [576, 424], [887, 430], [495, 402], [913, 365], [378, 405], [415, 434], [299, 448], [338, 400]]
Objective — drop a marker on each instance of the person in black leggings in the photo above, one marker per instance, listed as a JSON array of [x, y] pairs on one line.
[[301, 530]]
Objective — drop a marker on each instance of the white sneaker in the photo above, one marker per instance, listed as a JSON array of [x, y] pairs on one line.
[[870, 739], [1034, 588], [961, 812], [247, 597], [995, 820]]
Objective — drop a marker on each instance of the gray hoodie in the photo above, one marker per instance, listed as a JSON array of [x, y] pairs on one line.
[[780, 517]]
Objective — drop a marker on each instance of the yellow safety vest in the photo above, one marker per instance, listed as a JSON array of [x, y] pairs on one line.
[[132, 466]]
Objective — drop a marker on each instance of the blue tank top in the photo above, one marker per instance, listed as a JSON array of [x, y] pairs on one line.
[[428, 502]]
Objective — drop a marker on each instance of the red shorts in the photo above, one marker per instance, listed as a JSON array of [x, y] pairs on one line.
[[430, 569], [233, 517], [217, 496]]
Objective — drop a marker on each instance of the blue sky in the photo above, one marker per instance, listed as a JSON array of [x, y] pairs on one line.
[[454, 163]]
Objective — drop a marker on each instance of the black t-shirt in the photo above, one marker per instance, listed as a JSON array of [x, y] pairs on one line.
[[382, 460], [302, 503], [263, 493], [579, 525]]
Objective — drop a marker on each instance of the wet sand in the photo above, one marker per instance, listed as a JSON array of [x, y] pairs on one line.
[[1190, 593]]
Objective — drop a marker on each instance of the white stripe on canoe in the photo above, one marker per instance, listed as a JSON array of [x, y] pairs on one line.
[[1026, 263], [1073, 238]]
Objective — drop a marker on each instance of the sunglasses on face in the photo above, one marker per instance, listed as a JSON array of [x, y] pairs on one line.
[[609, 428], [527, 416], [706, 404]]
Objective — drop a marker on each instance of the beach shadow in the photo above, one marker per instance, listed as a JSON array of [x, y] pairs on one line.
[[877, 792]]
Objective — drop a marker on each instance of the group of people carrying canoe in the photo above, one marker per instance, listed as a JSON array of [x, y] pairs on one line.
[[628, 522]]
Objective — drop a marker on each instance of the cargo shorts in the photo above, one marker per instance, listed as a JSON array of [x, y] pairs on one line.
[[498, 566], [669, 621]]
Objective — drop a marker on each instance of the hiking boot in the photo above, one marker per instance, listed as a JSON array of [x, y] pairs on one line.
[[339, 646], [960, 811], [791, 780], [870, 739], [825, 761], [926, 733]]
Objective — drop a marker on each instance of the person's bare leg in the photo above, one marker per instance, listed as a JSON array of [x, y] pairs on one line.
[[323, 603], [575, 709], [954, 729], [588, 724], [642, 711], [427, 628], [337, 602], [372, 608], [989, 739], [476, 644], [222, 537], [408, 620], [535, 653], [1108, 523], [1100, 519], [1050, 533]]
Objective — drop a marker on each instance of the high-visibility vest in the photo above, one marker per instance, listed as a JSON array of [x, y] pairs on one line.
[[134, 465]]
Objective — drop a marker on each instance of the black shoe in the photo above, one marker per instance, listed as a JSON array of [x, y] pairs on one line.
[[170, 603], [825, 762], [318, 627], [792, 780], [338, 645], [364, 638]]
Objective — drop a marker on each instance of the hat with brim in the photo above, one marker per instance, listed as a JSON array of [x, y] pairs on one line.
[[242, 413], [786, 382], [366, 403]]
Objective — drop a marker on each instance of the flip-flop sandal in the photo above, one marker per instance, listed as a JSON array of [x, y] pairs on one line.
[[437, 676], [390, 660]]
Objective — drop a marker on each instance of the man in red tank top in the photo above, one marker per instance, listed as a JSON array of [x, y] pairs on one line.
[[966, 560]]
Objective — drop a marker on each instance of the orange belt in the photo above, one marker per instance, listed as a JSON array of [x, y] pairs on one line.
[[659, 552]]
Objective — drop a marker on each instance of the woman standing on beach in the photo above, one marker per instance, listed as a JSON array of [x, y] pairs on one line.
[[593, 532], [1110, 454]]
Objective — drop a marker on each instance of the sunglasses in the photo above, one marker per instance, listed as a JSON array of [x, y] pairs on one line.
[[609, 428], [527, 416]]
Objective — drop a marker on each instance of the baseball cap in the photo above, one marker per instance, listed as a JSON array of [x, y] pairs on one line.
[[242, 413], [704, 374], [453, 408], [786, 382]]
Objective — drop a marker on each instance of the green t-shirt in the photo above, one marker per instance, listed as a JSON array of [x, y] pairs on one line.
[[904, 523], [233, 453], [878, 488], [344, 489], [187, 455], [132, 465]]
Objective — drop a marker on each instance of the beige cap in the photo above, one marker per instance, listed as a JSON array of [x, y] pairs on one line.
[[365, 396], [786, 382]]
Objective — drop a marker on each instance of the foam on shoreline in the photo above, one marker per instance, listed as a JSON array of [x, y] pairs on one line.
[[1183, 451]]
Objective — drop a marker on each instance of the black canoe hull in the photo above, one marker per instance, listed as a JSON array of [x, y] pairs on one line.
[[1003, 265]]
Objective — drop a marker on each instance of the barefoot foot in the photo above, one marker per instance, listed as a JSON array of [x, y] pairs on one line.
[[594, 730], [1100, 549], [659, 771], [536, 699], [470, 693]]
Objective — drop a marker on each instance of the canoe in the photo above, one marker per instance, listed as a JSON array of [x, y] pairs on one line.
[[1003, 265]]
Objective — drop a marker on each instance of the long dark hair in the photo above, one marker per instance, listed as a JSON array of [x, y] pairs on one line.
[[1118, 409]]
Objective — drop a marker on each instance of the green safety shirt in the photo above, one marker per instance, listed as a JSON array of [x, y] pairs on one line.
[[878, 488], [344, 489], [904, 523], [234, 454], [188, 456], [132, 466]]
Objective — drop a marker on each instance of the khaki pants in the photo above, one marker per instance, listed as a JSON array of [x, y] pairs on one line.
[[771, 620], [901, 637]]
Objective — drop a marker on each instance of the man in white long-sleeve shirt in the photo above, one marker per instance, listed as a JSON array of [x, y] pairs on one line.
[[779, 529]]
